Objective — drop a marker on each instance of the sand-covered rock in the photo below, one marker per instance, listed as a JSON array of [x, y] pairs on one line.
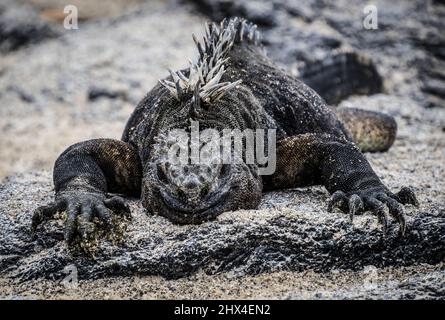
[[290, 231], [407, 47]]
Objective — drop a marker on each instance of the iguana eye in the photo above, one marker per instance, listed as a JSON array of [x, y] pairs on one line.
[[174, 172], [161, 173], [225, 169]]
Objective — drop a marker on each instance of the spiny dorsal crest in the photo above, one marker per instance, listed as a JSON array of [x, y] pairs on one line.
[[205, 74]]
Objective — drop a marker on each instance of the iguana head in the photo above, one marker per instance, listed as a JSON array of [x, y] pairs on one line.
[[191, 180], [195, 193], [194, 172]]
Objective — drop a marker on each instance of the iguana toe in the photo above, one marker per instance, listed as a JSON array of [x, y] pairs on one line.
[[375, 200]]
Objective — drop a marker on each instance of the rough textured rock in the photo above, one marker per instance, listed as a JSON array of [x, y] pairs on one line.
[[290, 231], [408, 46], [419, 282]]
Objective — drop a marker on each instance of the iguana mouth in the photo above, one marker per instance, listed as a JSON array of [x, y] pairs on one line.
[[234, 187], [176, 209]]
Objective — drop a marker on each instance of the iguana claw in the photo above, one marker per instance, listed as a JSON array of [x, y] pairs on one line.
[[375, 200], [81, 208]]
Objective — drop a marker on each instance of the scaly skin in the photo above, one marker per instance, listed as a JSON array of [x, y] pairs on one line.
[[316, 145]]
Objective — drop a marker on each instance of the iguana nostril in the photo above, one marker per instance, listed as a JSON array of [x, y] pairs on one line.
[[191, 183]]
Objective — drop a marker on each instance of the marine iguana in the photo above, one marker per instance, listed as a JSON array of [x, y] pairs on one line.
[[233, 85]]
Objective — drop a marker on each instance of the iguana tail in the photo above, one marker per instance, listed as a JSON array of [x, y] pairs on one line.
[[371, 131]]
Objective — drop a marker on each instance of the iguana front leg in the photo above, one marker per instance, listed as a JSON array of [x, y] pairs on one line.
[[338, 165], [83, 175]]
